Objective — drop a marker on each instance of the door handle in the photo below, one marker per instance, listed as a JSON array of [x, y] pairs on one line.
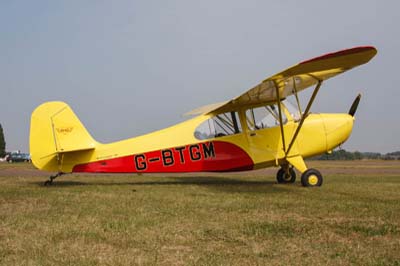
[[252, 134]]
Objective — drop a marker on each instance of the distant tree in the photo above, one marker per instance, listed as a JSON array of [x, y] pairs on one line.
[[340, 155], [357, 155], [392, 156], [396, 153], [371, 155], [2, 143]]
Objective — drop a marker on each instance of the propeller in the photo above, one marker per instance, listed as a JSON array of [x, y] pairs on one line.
[[354, 106]]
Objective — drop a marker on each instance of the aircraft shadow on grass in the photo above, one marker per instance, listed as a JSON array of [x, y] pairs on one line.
[[218, 183]]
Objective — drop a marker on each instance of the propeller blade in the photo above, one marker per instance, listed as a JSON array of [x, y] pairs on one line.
[[354, 106]]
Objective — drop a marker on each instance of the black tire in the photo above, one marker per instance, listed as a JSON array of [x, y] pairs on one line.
[[311, 178], [284, 177]]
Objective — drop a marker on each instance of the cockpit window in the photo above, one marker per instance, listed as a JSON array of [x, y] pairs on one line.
[[219, 126], [292, 108], [264, 117]]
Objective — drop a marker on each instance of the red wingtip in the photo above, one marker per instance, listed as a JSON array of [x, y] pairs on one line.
[[353, 50]]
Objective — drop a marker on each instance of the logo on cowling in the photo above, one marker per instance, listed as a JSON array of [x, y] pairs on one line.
[[64, 130]]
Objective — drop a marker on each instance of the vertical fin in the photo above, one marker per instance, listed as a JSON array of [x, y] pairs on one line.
[[55, 130]]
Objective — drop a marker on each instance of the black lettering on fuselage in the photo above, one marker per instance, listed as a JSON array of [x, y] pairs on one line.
[[194, 151], [181, 155], [208, 151], [167, 157], [140, 162], [155, 159]]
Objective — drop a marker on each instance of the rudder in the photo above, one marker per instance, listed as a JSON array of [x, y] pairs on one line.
[[55, 130]]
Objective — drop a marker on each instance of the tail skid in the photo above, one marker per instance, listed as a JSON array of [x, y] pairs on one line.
[[56, 131]]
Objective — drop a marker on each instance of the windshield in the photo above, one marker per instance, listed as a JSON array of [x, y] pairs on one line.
[[292, 107], [264, 117], [219, 126]]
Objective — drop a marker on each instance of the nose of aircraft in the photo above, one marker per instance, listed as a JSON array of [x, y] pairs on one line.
[[338, 128]]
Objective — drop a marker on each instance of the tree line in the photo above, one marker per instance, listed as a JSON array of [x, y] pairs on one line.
[[356, 155]]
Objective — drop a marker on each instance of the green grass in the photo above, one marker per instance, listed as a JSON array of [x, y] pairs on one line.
[[200, 219]]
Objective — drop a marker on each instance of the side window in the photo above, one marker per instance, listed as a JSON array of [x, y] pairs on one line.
[[264, 117], [219, 126]]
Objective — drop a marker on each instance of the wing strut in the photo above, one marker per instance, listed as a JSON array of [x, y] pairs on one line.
[[303, 117], [280, 117], [295, 94]]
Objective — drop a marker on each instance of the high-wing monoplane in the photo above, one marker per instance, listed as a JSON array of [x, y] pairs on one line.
[[254, 130]]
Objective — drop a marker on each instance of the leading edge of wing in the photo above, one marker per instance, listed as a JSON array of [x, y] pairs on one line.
[[205, 109], [296, 78]]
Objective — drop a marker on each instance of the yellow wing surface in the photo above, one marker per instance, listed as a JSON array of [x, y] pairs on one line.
[[295, 79]]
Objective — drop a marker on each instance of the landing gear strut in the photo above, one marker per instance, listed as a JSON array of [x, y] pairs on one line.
[[51, 178], [286, 175]]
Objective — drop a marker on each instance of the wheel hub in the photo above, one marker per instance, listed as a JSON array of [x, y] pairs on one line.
[[287, 176], [313, 180]]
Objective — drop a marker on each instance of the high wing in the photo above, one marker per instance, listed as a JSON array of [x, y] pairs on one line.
[[295, 79]]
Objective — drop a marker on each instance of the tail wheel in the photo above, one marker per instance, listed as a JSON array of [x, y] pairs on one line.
[[311, 178], [285, 176]]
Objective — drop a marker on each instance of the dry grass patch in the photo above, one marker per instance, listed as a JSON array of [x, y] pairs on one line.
[[222, 219]]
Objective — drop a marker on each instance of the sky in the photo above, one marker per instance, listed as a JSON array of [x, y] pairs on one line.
[[131, 67]]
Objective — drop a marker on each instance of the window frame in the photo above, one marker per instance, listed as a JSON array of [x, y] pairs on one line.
[[223, 124], [252, 125]]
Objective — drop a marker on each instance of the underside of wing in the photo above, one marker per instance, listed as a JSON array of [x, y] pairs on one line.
[[297, 78]]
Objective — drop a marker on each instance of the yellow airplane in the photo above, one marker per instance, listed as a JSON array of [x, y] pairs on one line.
[[254, 130]]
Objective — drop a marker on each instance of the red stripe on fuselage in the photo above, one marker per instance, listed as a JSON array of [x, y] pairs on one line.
[[215, 156]]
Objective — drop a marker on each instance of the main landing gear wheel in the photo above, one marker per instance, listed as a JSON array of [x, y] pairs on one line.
[[311, 178], [285, 176]]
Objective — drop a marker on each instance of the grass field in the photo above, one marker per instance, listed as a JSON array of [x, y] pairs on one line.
[[202, 219]]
